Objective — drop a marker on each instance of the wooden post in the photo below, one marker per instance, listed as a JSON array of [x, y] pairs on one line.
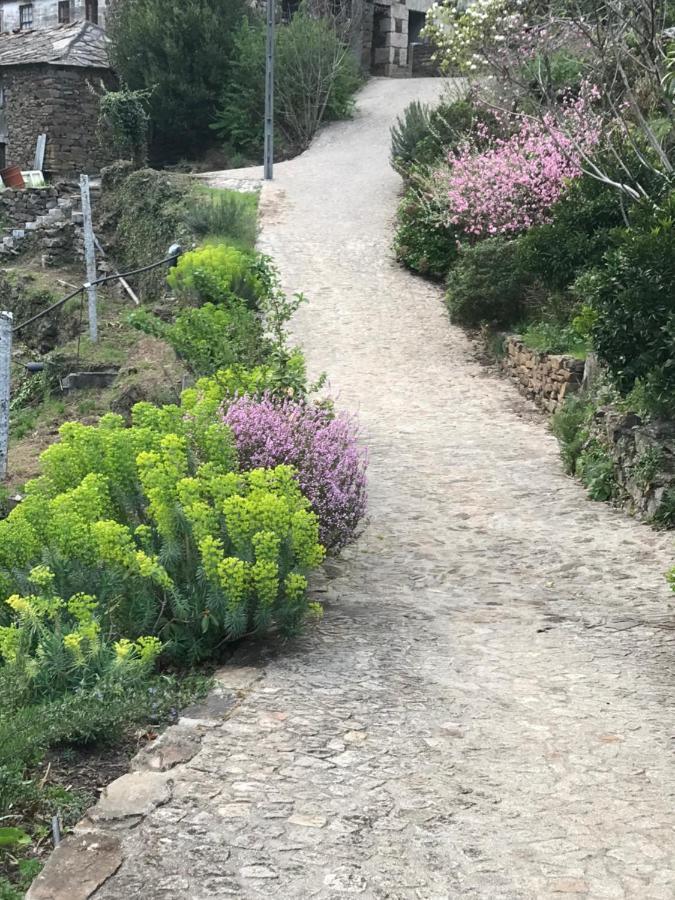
[[6, 319], [269, 92], [89, 256]]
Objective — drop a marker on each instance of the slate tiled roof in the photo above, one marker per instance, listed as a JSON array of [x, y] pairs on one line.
[[81, 44]]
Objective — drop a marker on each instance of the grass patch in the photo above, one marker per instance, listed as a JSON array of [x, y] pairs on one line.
[[224, 217], [550, 337]]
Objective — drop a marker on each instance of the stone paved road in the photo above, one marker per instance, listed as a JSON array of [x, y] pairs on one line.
[[486, 710]]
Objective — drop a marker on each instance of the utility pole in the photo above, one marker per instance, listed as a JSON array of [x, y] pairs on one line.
[[89, 256], [5, 362], [269, 92]]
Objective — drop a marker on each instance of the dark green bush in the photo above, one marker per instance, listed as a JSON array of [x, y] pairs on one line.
[[634, 298], [570, 425], [316, 79], [554, 76], [180, 52], [578, 236], [423, 242], [423, 136], [595, 468], [487, 284], [406, 133]]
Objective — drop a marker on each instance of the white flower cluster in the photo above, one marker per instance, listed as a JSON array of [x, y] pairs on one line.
[[470, 34]]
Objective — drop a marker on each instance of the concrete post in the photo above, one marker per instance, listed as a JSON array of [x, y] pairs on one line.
[[89, 256], [6, 320]]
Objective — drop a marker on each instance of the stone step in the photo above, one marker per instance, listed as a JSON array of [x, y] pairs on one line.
[[76, 381]]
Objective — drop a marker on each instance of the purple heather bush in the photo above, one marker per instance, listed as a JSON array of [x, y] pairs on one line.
[[322, 447]]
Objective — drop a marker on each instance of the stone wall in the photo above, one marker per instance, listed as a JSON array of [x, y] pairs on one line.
[[543, 377], [57, 100], [644, 462], [642, 453], [19, 207]]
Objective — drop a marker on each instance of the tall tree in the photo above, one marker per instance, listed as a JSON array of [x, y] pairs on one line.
[[180, 51]]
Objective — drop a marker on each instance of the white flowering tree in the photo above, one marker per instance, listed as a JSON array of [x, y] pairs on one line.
[[614, 51]]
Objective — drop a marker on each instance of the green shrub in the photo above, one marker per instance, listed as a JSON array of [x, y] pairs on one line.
[[316, 78], [487, 284], [554, 76], [230, 216], [124, 117], [423, 242], [551, 337], [55, 645], [423, 135], [215, 337], [570, 425], [406, 133], [633, 296], [143, 320], [155, 522], [181, 52], [595, 468], [665, 515], [217, 274], [577, 237]]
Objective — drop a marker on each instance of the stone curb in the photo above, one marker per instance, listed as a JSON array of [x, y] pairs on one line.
[[84, 860]]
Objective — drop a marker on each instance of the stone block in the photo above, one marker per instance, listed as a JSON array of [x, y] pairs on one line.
[[78, 867]]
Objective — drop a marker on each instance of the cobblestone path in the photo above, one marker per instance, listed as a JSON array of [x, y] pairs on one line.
[[486, 710]]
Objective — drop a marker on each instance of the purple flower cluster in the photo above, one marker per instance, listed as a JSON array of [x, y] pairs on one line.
[[323, 448]]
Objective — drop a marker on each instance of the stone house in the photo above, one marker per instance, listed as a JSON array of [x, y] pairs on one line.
[[26, 15], [386, 34], [392, 34], [49, 81]]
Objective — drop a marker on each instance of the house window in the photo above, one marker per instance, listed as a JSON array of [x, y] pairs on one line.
[[91, 11], [26, 16], [64, 12]]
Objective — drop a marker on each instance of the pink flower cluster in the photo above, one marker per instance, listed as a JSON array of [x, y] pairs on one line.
[[513, 184], [324, 449]]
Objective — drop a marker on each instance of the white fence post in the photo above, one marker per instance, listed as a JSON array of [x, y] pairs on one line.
[[90, 256], [6, 320]]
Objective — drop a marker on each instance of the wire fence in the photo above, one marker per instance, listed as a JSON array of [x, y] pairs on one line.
[[8, 329]]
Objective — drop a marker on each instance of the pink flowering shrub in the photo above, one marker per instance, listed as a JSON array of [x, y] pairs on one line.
[[513, 185], [324, 450]]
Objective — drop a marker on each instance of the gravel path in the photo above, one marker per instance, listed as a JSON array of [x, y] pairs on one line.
[[486, 709]]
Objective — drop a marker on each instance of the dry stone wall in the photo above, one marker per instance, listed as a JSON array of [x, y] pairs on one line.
[[546, 378], [18, 207], [643, 454]]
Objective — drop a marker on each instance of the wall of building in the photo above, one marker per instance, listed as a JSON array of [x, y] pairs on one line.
[[56, 100], [45, 13], [391, 36]]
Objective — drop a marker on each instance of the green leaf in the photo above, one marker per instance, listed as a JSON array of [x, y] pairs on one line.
[[13, 837]]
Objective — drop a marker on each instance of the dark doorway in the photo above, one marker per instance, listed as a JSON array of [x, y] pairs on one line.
[[416, 22], [91, 11]]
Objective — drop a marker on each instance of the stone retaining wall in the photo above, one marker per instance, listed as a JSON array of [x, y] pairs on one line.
[[545, 378], [18, 207], [643, 455]]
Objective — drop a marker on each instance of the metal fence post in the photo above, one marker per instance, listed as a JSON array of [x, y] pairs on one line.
[[269, 92], [6, 319], [90, 256]]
